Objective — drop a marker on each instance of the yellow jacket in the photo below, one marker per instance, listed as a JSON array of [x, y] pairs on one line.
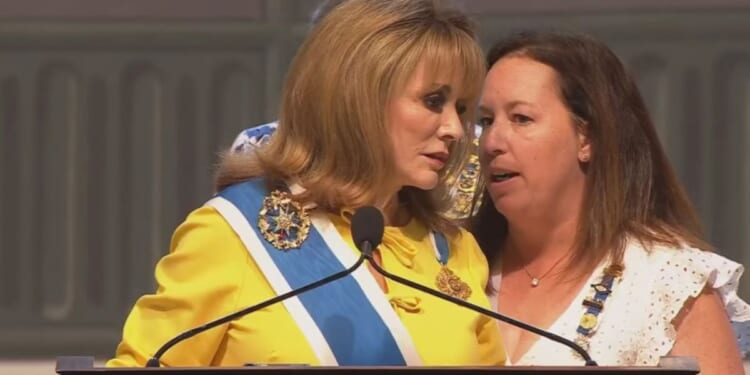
[[209, 273]]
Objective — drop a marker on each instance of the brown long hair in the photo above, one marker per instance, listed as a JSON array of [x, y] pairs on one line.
[[332, 137], [631, 190]]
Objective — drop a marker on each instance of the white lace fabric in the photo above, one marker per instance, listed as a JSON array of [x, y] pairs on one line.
[[635, 327]]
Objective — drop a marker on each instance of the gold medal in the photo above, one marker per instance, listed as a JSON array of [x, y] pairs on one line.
[[448, 283], [588, 321], [283, 222]]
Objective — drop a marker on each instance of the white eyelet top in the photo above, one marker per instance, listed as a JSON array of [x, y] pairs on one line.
[[635, 325]]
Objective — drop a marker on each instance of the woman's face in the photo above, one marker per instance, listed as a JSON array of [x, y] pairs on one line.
[[530, 149], [423, 120]]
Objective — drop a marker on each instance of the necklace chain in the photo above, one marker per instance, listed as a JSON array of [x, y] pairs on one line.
[[535, 281]]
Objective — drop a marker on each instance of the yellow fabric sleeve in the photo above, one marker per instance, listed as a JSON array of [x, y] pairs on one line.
[[190, 293]]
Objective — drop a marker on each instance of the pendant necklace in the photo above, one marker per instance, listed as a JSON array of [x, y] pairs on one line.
[[536, 280]]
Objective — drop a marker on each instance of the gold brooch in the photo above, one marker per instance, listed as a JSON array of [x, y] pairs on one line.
[[450, 284], [283, 222]]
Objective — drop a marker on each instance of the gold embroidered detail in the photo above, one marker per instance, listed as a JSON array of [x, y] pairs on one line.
[[283, 222], [449, 283], [408, 304]]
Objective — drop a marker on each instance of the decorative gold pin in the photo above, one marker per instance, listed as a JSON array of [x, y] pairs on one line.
[[283, 221], [450, 284]]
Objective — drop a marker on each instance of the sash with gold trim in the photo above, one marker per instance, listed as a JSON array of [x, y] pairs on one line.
[[346, 322]]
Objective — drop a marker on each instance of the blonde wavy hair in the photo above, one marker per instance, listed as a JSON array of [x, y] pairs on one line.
[[332, 136]]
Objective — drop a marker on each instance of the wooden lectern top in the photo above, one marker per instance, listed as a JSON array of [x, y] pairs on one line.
[[85, 366]]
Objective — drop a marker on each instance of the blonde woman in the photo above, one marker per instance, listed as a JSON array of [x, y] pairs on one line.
[[374, 112]]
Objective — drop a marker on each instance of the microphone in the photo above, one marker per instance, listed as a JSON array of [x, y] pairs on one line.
[[364, 227], [368, 239], [367, 229]]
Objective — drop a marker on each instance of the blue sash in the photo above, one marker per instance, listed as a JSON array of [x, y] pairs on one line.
[[355, 332]]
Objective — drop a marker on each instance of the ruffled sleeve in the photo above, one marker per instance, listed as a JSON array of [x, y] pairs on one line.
[[681, 274]]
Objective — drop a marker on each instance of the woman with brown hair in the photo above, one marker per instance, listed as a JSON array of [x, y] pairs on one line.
[[374, 112], [586, 228]]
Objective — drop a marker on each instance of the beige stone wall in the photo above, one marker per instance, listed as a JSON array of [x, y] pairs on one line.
[[111, 117]]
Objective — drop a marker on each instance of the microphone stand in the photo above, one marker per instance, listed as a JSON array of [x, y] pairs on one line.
[[577, 348], [154, 361]]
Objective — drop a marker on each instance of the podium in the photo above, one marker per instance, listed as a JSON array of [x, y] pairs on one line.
[[668, 366]]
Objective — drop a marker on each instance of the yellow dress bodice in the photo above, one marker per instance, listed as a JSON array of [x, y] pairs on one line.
[[208, 273]]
